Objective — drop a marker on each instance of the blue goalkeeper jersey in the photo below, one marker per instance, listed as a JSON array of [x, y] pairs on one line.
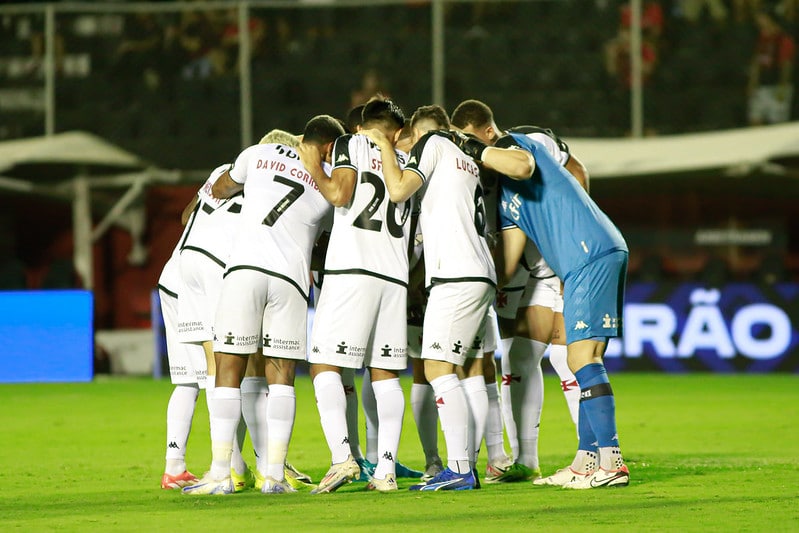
[[551, 207]]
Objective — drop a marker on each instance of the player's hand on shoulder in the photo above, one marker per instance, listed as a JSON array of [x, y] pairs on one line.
[[470, 145], [376, 136], [309, 155]]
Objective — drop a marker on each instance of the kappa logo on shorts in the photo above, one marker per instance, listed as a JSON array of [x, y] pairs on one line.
[[341, 348], [436, 346], [580, 325], [315, 349]]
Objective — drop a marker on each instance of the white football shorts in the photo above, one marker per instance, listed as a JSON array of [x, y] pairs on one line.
[[360, 321], [257, 308], [455, 321], [201, 287], [534, 283], [187, 363]]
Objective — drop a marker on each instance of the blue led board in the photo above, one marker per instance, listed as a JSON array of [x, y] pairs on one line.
[[47, 336]]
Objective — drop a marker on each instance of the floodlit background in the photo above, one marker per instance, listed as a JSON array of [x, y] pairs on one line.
[[112, 113]]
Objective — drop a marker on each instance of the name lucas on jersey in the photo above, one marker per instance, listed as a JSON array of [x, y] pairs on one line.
[[468, 166], [294, 172]]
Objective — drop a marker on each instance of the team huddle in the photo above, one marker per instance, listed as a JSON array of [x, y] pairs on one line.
[[413, 238]]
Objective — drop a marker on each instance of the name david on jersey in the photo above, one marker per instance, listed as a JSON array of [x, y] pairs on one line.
[[294, 172]]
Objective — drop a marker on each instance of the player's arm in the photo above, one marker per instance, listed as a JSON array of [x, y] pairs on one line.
[[225, 186], [401, 184], [578, 170], [184, 216], [336, 189], [514, 163], [513, 242]]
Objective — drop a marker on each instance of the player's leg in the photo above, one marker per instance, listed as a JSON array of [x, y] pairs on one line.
[[224, 419], [390, 403], [284, 330], [370, 416], [445, 325], [507, 305], [351, 394], [601, 288], [280, 414], [386, 356], [338, 341], [238, 323], [527, 393], [254, 401], [182, 401], [425, 414], [474, 388], [558, 360], [498, 459]]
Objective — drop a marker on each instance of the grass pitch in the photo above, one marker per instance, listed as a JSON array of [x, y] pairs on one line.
[[706, 453]]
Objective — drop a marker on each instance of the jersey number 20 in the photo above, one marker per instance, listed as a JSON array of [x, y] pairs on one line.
[[366, 220]]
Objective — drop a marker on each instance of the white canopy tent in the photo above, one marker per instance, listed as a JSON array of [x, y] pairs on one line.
[[69, 165], [733, 153]]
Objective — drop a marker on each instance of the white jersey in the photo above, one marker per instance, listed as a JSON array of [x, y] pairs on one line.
[[213, 221], [370, 235], [281, 216], [453, 217]]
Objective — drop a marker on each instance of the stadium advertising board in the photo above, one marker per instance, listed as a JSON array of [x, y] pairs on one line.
[[738, 327], [48, 336]]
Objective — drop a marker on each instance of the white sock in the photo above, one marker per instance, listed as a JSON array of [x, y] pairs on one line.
[[495, 447], [453, 412], [571, 390], [179, 414], [390, 403], [254, 401], [584, 462], [351, 394], [527, 396], [332, 406], [371, 417], [237, 461], [477, 398], [425, 413], [225, 415], [280, 417], [610, 458], [505, 399]]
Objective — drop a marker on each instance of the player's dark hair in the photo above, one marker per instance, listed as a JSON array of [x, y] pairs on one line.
[[383, 111], [506, 141], [434, 112], [472, 113], [323, 129], [354, 118]]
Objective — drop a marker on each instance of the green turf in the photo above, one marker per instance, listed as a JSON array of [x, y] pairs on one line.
[[706, 452]]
